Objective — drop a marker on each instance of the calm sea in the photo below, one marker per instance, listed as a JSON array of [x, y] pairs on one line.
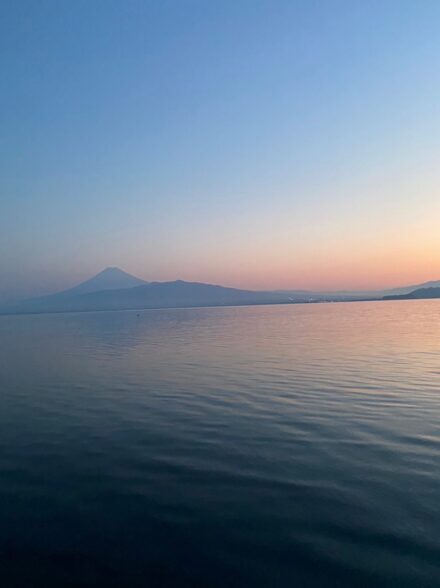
[[261, 446]]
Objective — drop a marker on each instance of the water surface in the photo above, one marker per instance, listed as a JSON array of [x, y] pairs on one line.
[[259, 446]]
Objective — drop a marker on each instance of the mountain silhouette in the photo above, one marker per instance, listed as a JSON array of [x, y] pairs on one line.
[[419, 294], [148, 295], [111, 278], [114, 289], [345, 295]]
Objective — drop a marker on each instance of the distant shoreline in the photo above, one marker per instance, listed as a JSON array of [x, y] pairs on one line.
[[188, 307], [113, 289]]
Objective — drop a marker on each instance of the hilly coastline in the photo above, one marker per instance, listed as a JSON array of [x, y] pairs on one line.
[[102, 293], [115, 289], [419, 294]]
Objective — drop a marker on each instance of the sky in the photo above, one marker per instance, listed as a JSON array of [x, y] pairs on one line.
[[257, 144]]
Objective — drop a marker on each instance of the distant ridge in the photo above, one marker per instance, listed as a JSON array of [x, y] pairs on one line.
[[114, 289], [176, 294], [419, 294], [111, 278], [352, 295]]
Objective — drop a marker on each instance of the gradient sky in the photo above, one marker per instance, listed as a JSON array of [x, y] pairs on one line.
[[261, 144]]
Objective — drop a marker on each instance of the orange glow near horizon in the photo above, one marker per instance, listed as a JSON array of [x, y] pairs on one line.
[[317, 272], [332, 269]]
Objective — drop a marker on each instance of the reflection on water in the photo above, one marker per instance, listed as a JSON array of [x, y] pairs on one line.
[[259, 446]]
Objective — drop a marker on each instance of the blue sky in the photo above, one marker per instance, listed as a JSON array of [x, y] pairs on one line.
[[255, 144]]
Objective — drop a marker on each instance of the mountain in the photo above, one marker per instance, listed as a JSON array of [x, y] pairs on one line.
[[114, 289], [153, 295], [420, 293], [352, 295], [111, 278], [409, 289]]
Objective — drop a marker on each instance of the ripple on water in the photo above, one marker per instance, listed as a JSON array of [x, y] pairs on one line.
[[264, 446]]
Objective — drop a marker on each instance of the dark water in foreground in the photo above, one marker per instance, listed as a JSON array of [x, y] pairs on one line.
[[264, 446]]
